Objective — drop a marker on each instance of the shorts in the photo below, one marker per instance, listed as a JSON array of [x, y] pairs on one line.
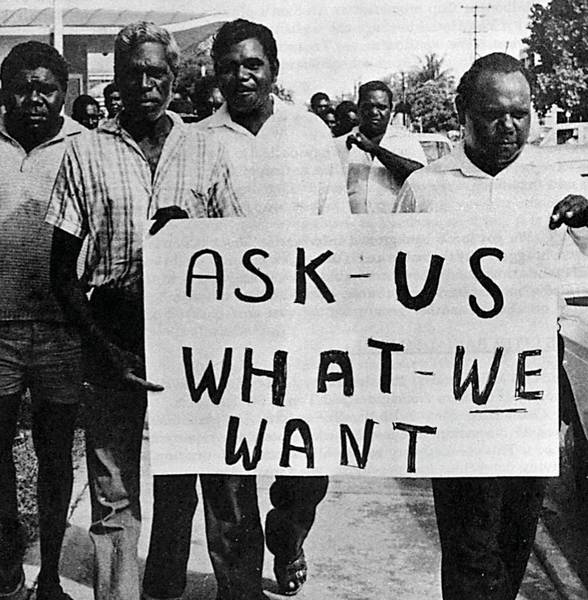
[[43, 357]]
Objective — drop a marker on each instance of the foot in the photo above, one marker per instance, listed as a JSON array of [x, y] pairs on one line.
[[51, 592], [291, 576]]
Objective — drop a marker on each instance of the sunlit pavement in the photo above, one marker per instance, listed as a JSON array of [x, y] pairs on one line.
[[373, 538]]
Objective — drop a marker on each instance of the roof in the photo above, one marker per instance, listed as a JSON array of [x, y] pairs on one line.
[[101, 21], [101, 17]]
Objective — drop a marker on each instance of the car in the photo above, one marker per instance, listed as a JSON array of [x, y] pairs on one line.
[[573, 324], [569, 158], [435, 145], [562, 133]]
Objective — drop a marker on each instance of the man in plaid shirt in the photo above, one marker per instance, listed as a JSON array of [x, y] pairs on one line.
[[145, 163]]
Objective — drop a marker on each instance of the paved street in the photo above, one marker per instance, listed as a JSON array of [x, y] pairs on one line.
[[373, 538]]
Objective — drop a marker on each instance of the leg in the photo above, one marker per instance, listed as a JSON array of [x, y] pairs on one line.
[[54, 378], [14, 346], [295, 500], [523, 499], [234, 534], [114, 432], [174, 503], [469, 515], [53, 429], [11, 537]]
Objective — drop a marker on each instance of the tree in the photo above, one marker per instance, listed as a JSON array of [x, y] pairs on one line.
[[431, 105], [426, 94], [431, 69], [282, 92], [558, 45]]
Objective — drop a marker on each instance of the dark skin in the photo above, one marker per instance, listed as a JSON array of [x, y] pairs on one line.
[[33, 103], [245, 77], [375, 110], [571, 211], [497, 128], [145, 85], [399, 166]]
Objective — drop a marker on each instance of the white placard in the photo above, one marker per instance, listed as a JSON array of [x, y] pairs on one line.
[[407, 345]]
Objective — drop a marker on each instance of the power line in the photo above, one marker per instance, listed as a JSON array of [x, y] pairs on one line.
[[476, 8]]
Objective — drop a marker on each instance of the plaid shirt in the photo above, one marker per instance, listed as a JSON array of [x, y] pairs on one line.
[[105, 191]]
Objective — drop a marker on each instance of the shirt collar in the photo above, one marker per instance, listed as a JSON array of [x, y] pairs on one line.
[[459, 161], [222, 117], [68, 128], [113, 126]]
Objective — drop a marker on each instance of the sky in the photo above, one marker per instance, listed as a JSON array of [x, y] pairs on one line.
[[330, 46]]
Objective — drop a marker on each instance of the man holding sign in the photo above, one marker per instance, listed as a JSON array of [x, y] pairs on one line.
[[283, 163], [130, 169], [487, 525]]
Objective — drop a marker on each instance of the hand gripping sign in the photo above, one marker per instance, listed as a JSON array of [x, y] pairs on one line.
[[408, 345]]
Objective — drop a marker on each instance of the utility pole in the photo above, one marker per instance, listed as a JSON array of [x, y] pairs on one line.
[[58, 25], [476, 8]]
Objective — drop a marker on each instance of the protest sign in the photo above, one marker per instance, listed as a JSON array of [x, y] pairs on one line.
[[408, 345]]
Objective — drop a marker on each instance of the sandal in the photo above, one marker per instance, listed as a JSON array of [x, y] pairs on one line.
[[291, 576]]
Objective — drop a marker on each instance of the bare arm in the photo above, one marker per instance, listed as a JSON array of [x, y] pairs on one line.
[[399, 166], [66, 287]]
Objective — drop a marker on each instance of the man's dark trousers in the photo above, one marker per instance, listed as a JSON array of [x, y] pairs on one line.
[[233, 530], [486, 527]]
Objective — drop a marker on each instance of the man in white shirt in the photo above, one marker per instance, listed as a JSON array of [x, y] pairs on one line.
[[487, 525], [282, 162], [377, 157]]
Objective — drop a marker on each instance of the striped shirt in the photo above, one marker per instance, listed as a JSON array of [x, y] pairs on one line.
[[26, 181], [105, 191]]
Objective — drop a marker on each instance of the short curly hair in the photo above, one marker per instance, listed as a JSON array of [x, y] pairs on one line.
[[78, 108], [32, 55], [233, 32], [140, 32], [497, 62], [373, 86]]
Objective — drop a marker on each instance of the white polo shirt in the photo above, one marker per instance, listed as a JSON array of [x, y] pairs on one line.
[[289, 168], [523, 193]]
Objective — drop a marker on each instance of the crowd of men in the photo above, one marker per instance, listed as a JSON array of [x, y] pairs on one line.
[[67, 192]]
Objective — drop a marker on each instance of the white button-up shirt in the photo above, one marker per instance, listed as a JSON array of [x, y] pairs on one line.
[[289, 168], [371, 186], [523, 193]]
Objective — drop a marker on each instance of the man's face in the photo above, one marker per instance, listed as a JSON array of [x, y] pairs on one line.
[[374, 113], [321, 107], [145, 82], [245, 76], [351, 118], [91, 116], [34, 100], [329, 119], [497, 122], [113, 104]]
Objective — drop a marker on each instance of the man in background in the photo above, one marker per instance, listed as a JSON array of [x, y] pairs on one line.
[[320, 103], [345, 118], [86, 111], [376, 157], [112, 100]]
